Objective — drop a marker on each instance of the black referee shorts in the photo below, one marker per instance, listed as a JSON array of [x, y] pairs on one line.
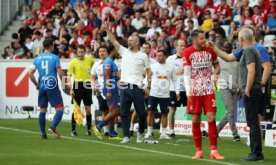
[[177, 103], [83, 92]]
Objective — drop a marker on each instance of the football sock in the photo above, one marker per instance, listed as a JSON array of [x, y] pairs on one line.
[[111, 130], [197, 136], [131, 126], [105, 128], [150, 130], [88, 121], [101, 124], [212, 134], [57, 118], [73, 122], [116, 127], [42, 122]]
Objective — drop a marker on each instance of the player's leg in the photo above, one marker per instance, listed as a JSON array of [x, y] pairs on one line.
[[194, 107], [103, 107], [42, 103], [173, 106], [152, 106], [164, 107], [209, 102], [55, 99], [87, 101]]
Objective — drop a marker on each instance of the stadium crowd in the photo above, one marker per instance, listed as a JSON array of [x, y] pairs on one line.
[[159, 22]]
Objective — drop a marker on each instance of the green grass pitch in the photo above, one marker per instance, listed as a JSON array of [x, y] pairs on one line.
[[20, 143]]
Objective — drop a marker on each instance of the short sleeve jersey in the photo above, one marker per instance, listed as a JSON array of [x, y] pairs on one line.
[[47, 65]]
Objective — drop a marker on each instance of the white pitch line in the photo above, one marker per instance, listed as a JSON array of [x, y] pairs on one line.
[[21, 76], [125, 146]]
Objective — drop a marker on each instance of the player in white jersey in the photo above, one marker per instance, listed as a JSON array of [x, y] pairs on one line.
[[177, 62], [97, 82], [163, 74]]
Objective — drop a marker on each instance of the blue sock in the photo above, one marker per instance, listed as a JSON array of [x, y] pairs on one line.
[[42, 122], [57, 118], [101, 124], [111, 130]]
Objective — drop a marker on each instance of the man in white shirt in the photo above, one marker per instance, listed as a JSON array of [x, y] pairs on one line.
[[97, 83], [134, 63], [137, 22], [154, 28], [177, 62], [163, 75]]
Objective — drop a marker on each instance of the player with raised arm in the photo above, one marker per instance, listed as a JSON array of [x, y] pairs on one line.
[[48, 66], [199, 85]]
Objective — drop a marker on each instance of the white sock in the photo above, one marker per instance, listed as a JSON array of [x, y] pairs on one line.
[[116, 127], [171, 131], [163, 131], [150, 129], [131, 126], [105, 128], [213, 151]]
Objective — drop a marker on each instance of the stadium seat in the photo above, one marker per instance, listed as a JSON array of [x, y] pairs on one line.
[[268, 40]]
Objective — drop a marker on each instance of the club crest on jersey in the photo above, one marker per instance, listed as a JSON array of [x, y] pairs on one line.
[[107, 66]]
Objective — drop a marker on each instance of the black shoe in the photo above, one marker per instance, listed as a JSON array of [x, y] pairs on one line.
[[106, 134], [131, 133], [237, 138], [44, 137], [171, 135], [88, 133], [253, 157], [114, 134], [204, 133], [74, 133]]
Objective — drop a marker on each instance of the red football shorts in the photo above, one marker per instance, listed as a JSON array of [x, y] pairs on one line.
[[196, 103]]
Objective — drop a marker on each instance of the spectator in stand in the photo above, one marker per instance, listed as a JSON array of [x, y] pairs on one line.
[[247, 19], [57, 12], [180, 15], [72, 51], [207, 22], [258, 20], [7, 53], [127, 10], [210, 7], [154, 28], [164, 16], [34, 18], [97, 42], [169, 28], [197, 11], [220, 40], [224, 13], [87, 39], [154, 49], [20, 51], [271, 22], [173, 9], [245, 6], [217, 28], [94, 22], [190, 28], [38, 41], [29, 43], [137, 22], [76, 40], [212, 36], [73, 19], [62, 51], [109, 8], [191, 16], [142, 32], [24, 31], [48, 4], [40, 10], [128, 28], [81, 29]]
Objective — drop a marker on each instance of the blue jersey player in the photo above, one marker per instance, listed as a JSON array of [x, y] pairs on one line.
[[48, 66], [111, 92]]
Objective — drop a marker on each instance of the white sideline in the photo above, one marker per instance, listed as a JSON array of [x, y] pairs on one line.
[[125, 146]]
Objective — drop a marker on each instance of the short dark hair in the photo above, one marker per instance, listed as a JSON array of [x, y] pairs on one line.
[[146, 43], [162, 51], [81, 47], [102, 47], [110, 48], [48, 43], [38, 33], [195, 33], [14, 36]]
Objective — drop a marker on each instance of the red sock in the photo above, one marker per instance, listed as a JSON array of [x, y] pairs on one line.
[[197, 136], [212, 134]]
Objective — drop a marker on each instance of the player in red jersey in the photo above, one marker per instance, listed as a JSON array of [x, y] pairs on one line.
[[199, 84]]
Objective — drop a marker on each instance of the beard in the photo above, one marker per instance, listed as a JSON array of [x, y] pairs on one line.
[[130, 47]]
